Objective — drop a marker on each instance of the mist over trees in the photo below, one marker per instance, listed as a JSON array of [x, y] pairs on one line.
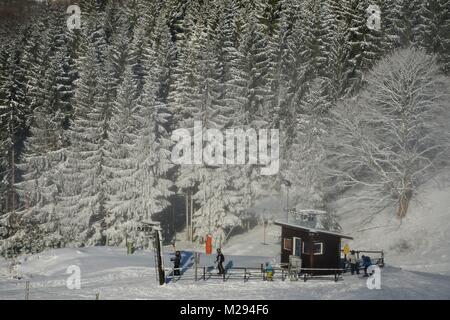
[[86, 116]]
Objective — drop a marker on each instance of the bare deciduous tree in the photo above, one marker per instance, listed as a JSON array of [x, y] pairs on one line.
[[390, 137]]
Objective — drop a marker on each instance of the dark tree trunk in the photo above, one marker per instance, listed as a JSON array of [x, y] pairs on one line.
[[405, 198]]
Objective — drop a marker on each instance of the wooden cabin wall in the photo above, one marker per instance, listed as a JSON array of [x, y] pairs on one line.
[[331, 249]]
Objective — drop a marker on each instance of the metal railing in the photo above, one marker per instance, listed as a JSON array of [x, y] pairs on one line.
[[377, 260], [281, 271]]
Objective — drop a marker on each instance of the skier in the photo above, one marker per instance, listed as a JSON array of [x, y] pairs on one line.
[[353, 262], [219, 260], [176, 263], [366, 264]]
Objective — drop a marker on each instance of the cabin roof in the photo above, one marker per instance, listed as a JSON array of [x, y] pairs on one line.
[[303, 228]]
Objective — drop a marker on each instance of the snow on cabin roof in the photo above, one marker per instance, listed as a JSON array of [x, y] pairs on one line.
[[296, 226]]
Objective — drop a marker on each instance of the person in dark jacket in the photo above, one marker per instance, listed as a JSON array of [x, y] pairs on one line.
[[219, 260], [176, 263], [366, 264]]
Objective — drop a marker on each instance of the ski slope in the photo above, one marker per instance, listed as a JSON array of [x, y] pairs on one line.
[[418, 242], [417, 255], [113, 274]]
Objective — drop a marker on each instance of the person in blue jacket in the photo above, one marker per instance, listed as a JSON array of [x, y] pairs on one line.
[[269, 271], [366, 264]]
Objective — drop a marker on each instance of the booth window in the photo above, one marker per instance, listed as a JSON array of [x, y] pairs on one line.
[[287, 244], [318, 248]]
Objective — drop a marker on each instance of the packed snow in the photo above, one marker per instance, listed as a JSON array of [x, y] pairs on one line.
[[113, 274], [416, 249]]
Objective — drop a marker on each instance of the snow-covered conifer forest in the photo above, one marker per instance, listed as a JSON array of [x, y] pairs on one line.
[[86, 115]]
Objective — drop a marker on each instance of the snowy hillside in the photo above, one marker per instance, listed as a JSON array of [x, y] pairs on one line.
[[114, 275], [420, 241], [416, 251]]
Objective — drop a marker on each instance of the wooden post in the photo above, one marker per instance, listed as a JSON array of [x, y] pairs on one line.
[[264, 230], [245, 274], [197, 258], [224, 277], [191, 229], [382, 259], [27, 290], [282, 274], [162, 278], [311, 250], [187, 216], [204, 273]]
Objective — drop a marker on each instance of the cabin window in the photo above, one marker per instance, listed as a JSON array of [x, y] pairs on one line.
[[318, 248], [305, 249], [287, 244]]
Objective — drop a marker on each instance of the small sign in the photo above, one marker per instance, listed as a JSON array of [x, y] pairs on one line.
[[346, 249], [208, 244]]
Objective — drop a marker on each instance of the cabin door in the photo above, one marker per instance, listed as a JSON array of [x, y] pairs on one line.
[[297, 247]]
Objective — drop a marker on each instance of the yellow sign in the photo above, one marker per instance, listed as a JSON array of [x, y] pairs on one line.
[[346, 249]]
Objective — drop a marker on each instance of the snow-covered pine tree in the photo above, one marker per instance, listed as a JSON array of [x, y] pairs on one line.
[[83, 175], [138, 145], [184, 85], [335, 48], [152, 149], [14, 113], [120, 160], [307, 154], [432, 33], [365, 44], [38, 187], [215, 192], [165, 52], [280, 98], [300, 66], [253, 64], [225, 43], [4, 54], [392, 24]]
